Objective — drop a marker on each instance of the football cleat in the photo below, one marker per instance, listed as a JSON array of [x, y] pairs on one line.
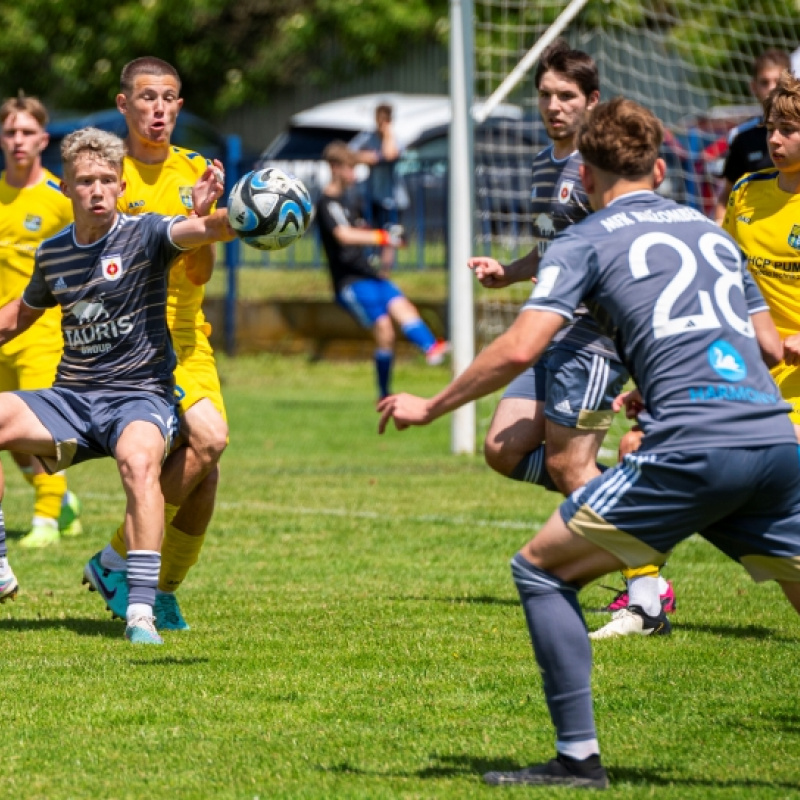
[[142, 630], [632, 621], [561, 771], [69, 523], [168, 613], [668, 600], [111, 584], [8, 587], [40, 536], [435, 354]]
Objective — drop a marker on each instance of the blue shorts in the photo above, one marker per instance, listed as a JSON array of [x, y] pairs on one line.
[[576, 386], [87, 425], [368, 300], [745, 501]]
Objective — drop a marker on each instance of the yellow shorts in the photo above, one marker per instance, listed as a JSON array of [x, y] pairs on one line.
[[30, 367], [196, 375], [788, 380]]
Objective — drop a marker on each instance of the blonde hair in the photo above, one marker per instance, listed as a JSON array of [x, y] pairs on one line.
[[26, 104], [103, 145], [783, 102], [338, 153]]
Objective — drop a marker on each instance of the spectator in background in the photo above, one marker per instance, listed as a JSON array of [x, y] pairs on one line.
[[386, 195], [374, 302], [747, 143]]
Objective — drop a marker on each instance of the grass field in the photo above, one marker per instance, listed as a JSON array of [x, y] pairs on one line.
[[355, 633]]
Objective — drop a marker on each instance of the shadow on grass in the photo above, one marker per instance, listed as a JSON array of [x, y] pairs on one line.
[[111, 629], [171, 661], [16, 534], [756, 632], [461, 766], [477, 600]]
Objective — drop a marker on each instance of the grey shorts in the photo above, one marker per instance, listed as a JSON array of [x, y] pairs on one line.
[[577, 387], [86, 425], [745, 501]]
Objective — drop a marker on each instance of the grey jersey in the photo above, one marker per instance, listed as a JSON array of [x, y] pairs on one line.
[[668, 284], [113, 296], [559, 200]]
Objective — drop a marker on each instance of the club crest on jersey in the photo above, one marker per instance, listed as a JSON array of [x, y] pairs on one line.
[[112, 267], [794, 237], [565, 191], [32, 222], [185, 193]]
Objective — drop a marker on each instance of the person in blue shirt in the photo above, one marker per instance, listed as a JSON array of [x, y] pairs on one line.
[[719, 454]]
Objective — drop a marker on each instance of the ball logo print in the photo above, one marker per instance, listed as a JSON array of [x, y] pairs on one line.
[[269, 209]]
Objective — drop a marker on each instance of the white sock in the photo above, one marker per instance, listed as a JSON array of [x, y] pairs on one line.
[[5, 567], [579, 750], [643, 592], [663, 586], [45, 522], [138, 610], [111, 559]]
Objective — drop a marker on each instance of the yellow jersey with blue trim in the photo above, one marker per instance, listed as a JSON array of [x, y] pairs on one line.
[[765, 222], [166, 188], [28, 216]]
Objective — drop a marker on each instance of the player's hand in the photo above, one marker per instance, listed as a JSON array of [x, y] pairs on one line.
[[791, 350], [208, 189], [491, 274], [630, 442], [397, 235], [404, 409], [631, 401]]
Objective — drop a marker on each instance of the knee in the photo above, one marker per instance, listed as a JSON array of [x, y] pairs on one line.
[[140, 471], [209, 439], [497, 457]]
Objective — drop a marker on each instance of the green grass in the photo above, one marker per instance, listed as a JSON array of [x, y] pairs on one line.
[[355, 633]]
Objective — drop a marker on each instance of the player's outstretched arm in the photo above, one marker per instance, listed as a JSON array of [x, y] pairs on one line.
[[769, 340], [350, 236], [491, 274], [197, 231], [16, 317], [504, 359]]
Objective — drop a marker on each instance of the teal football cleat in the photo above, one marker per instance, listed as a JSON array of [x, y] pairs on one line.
[[142, 630], [8, 587], [112, 585], [168, 613], [69, 523]]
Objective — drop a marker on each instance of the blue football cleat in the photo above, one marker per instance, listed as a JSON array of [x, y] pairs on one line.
[[112, 585], [168, 613]]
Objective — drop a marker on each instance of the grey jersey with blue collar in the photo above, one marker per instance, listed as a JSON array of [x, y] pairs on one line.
[[558, 200], [113, 296], [668, 284]]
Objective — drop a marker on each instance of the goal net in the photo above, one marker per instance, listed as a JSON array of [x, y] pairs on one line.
[[690, 62]]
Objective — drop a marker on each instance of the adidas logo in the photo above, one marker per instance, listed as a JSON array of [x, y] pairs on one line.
[[60, 283], [564, 406]]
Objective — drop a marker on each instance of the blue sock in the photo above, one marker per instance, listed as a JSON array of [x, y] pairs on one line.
[[143, 569], [561, 646], [418, 333], [383, 369], [533, 470]]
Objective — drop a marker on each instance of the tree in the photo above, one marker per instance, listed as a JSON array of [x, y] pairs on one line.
[[228, 52]]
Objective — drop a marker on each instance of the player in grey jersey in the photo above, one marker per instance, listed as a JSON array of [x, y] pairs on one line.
[[551, 421], [719, 455], [113, 393]]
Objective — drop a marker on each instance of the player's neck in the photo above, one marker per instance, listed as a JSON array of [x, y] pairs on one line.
[[563, 148], [789, 182], [87, 233], [147, 152], [335, 188], [24, 177]]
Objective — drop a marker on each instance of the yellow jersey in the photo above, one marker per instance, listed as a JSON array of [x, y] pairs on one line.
[[166, 188], [765, 222], [28, 216]]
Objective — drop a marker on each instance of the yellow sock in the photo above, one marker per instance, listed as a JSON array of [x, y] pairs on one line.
[[118, 539], [650, 571], [179, 553], [49, 491]]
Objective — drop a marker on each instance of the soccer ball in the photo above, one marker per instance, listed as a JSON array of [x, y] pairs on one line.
[[269, 209]]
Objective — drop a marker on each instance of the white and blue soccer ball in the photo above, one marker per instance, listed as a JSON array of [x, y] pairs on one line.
[[269, 209]]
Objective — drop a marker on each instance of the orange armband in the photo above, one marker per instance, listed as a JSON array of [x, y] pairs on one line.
[[382, 238]]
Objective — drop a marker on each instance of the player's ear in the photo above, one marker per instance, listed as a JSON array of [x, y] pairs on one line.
[[180, 103], [592, 100], [43, 142], [122, 103], [122, 187], [587, 177], [659, 172]]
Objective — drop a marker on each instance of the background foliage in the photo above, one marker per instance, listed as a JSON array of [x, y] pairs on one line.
[[70, 52]]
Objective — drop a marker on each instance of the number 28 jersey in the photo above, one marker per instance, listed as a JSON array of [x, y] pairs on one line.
[[670, 286]]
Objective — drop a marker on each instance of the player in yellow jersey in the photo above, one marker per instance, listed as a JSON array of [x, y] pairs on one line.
[[159, 178], [763, 215], [32, 208]]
